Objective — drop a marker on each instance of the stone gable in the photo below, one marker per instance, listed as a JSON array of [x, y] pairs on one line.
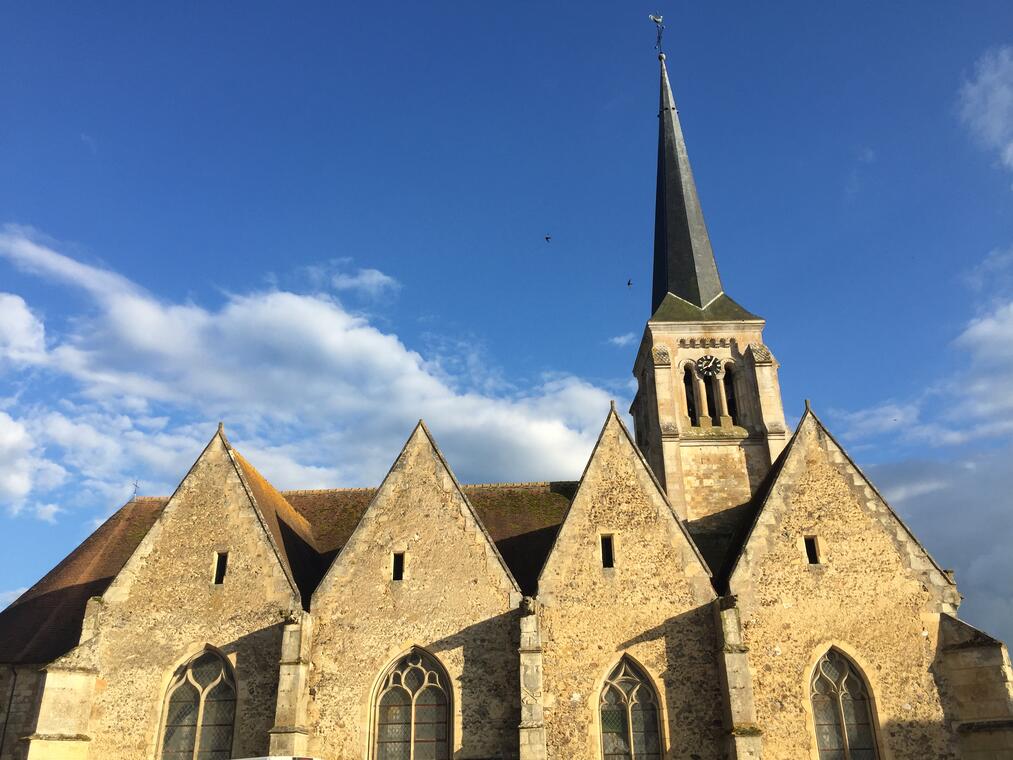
[[164, 607], [873, 594], [457, 601], [654, 606]]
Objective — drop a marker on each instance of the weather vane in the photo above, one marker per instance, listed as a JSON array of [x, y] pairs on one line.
[[659, 21]]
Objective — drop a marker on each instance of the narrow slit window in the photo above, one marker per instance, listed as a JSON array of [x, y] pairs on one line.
[[221, 565], [397, 571], [812, 550], [608, 557]]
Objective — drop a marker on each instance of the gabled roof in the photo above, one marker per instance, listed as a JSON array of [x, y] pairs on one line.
[[614, 419], [45, 622], [421, 436], [761, 503]]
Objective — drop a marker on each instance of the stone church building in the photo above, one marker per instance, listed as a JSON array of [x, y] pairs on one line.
[[714, 586]]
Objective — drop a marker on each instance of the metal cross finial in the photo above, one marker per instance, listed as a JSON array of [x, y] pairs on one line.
[[659, 22], [137, 487]]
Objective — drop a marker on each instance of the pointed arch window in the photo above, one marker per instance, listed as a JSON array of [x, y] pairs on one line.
[[842, 710], [413, 710], [629, 715], [200, 710]]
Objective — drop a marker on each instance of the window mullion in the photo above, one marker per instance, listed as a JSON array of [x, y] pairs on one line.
[[200, 722], [411, 731], [844, 726], [629, 729]]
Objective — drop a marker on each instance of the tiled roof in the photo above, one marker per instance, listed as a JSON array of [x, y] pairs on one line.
[[309, 527], [45, 621]]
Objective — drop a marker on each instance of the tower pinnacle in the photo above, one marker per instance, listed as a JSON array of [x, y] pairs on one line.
[[684, 262]]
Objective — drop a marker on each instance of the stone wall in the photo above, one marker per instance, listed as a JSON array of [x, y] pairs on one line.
[[163, 608], [721, 475], [874, 595], [19, 698], [654, 605], [456, 600]]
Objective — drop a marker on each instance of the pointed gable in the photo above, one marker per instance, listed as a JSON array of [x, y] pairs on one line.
[[420, 488], [815, 486], [216, 487], [619, 493]]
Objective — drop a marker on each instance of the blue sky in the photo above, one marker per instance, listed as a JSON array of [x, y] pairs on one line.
[[321, 223]]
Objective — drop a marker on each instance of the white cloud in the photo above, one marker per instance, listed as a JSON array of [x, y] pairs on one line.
[[22, 334], [986, 102], [314, 394], [370, 282], [6, 597], [959, 508], [622, 340], [22, 468], [47, 512]]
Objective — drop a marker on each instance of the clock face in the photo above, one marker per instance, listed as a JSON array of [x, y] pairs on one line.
[[708, 366]]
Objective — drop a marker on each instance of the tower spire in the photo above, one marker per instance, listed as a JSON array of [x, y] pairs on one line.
[[683, 259]]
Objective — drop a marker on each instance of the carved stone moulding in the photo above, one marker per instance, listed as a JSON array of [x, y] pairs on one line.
[[661, 355], [705, 342], [761, 354]]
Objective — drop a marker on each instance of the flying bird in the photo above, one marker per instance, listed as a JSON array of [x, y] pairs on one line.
[[629, 283], [548, 238]]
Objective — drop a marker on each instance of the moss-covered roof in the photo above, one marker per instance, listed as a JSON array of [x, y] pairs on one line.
[[721, 309]]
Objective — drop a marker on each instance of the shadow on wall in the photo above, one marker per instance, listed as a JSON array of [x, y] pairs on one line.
[[257, 655], [490, 708], [691, 678]]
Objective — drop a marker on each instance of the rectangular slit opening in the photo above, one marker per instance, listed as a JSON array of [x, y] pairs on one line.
[[608, 558], [221, 565], [812, 552], [397, 569]]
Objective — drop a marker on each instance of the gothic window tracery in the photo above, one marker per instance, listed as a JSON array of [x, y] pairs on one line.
[[842, 710], [629, 716], [413, 710], [200, 712]]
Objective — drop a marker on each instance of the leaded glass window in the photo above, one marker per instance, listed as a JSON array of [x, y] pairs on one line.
[[413, 710], [200, 711], [842, 711], [629, 716]]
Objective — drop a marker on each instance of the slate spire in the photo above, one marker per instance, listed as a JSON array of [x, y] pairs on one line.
[[683, 260]]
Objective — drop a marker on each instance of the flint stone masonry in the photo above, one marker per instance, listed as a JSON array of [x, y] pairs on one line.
[[654, 606], [457, 601], [712, 594], [873, 596], [163, 608]]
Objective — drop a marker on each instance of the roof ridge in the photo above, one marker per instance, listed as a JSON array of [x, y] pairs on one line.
[[519, 484], [342, 489]]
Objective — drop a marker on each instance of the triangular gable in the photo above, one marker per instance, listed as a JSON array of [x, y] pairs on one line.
[[147, 543], [810, 429], [419, 436], [612, 421], [292, 534]]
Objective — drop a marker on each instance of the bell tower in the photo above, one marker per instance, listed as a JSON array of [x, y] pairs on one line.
[[707, 412]]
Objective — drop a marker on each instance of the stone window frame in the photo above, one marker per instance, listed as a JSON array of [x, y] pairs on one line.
[[168, 687], [872, 686], [379, 687], [659, 697]]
